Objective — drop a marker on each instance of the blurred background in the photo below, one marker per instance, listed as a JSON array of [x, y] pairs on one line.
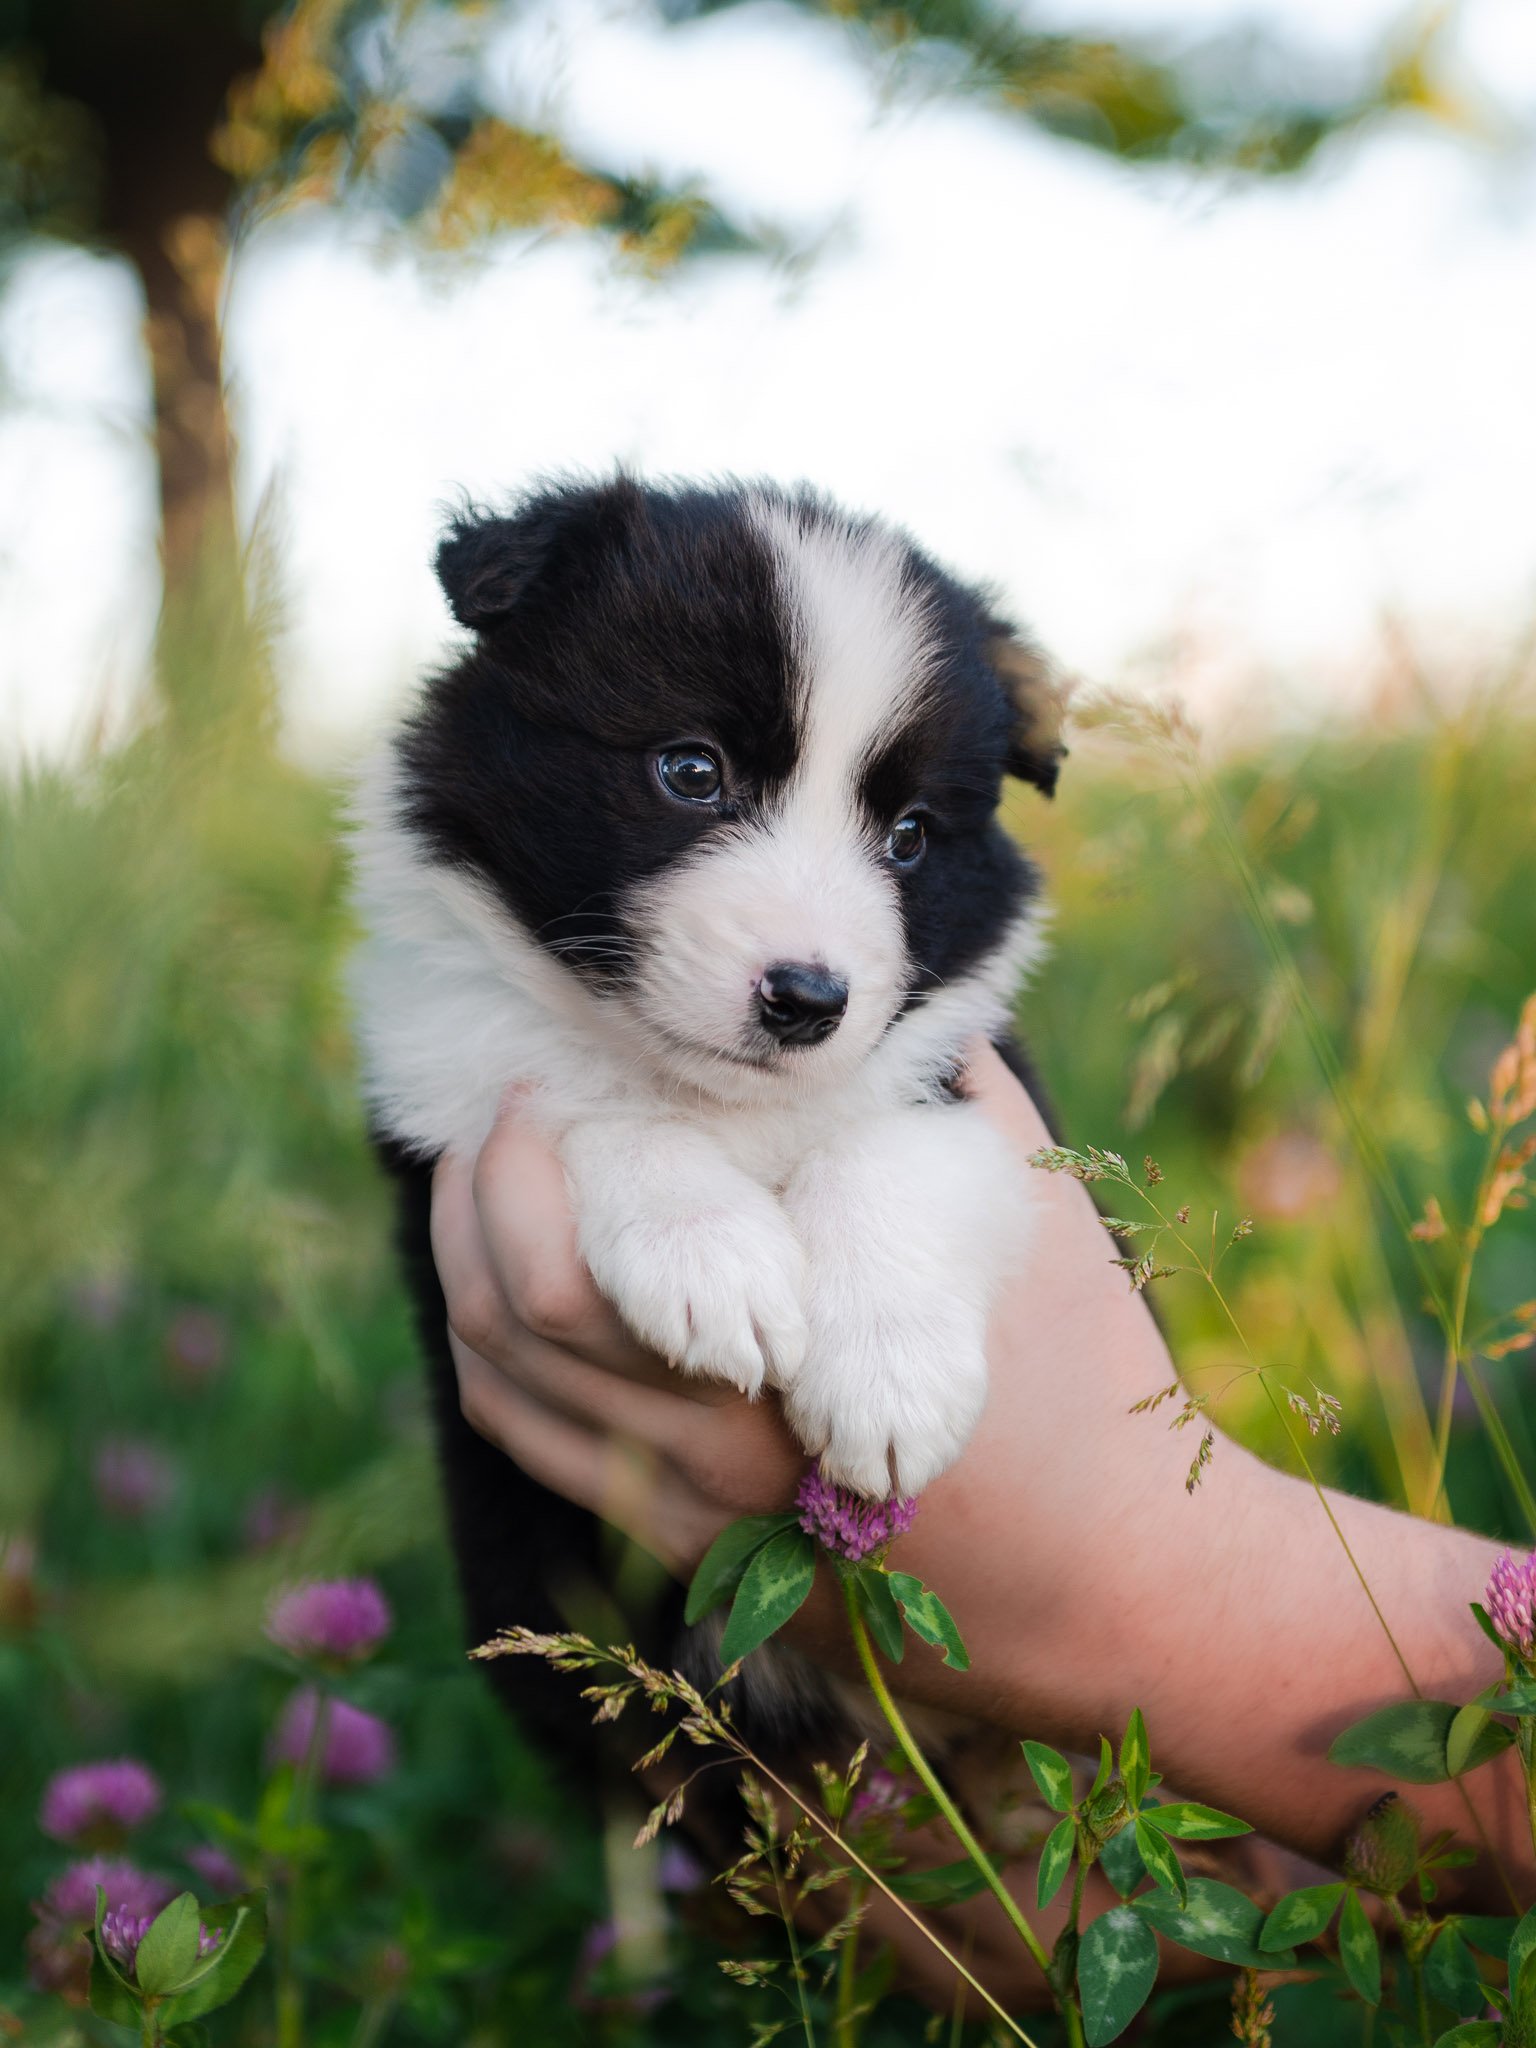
[[1202, 328]]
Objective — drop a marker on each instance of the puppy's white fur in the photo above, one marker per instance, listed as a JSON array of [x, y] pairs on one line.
[[826, 1223]]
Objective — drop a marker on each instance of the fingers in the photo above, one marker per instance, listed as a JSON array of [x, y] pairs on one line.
[[637, 1484]]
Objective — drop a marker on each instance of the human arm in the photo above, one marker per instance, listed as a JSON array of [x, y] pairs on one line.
[[1084, 1578]]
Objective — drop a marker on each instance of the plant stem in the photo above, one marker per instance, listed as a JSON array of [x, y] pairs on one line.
[[845, 1848], [942, 1800], [1079, 1884], [797, 1967], [843, 2031], [290, 1990], [372, 2021]]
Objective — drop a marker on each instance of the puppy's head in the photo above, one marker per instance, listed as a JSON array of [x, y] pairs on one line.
[[734, 758]]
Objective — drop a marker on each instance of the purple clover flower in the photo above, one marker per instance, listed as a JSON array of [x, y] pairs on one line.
[[847, 1524], [71, 1899], [359, 1748], [134, 1478], [99, 1802], [1511, 1601], [217, 1868], [340, 1621], [881, 1793], [122, 1931], [196, 1345], [270, 1518]]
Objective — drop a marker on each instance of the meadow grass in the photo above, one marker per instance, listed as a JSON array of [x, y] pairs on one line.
[[195, 1258]]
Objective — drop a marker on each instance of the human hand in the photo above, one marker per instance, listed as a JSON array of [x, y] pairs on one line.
[[549, 1374]]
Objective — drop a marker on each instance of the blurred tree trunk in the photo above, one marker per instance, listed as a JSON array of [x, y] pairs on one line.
[[155, 78]]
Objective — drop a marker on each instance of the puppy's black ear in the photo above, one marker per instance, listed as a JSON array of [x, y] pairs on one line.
[[486, 564], [1038, 698]]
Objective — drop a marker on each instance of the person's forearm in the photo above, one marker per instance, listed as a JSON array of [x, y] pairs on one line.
[[1088, 1581], [1271, 1647]]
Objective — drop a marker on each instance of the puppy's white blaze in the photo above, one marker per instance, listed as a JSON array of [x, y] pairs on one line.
[[860, 642]]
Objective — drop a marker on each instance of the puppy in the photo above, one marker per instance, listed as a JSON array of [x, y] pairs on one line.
[[697, 840]]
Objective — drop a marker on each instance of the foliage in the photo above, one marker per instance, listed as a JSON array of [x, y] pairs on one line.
[[194, 1256]]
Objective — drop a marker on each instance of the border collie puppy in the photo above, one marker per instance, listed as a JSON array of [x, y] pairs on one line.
[[697, 840]]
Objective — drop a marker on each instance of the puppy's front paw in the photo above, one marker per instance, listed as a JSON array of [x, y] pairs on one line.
[[889, 1392], [715, 1291]]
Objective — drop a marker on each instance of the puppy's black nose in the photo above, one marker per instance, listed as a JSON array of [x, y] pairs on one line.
[[800, 1004]]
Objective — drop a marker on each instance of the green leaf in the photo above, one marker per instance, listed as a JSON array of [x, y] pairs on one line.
[[1135, 1758], [1052, 1773], [1116, 1969], [945, 1885], [243, 1924], [168, 1953], [1101, 1776], [1120, 1861], [1472, 2034], [1407, 1741], [1359, 1950], [1484, 1621], [1461, 1737], [1521, 1943], [1300, 1916], [1161, 1863], [110, 1998], [727, 1558], [1450, 1974], [928, 1617], [1055, 1860], [1520, 1699], [1487, 1932], [877, 1604], [1192, 1822], [1522, 1987], [773, 1587], [1217, 1922]]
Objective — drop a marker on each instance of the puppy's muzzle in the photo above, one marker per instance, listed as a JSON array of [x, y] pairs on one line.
[[800, 1004]]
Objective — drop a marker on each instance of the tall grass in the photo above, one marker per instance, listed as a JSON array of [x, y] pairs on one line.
[[1284, 983]]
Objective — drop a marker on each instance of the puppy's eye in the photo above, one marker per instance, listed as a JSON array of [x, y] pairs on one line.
[[907, 839], [692, 773]]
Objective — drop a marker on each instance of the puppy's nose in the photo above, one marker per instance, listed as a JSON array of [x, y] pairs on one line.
[[801, 1004]]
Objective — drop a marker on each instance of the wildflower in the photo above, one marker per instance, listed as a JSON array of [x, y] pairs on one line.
[[847, 1524], [70, 1900], [122, 1931], [1511, 1601], [602, 1984], [339, 1621], [196, 1345], [99, 1802], [359, 1748], [881, 1793], [134, 1478], [58, 1956], [101, 1299], [270, 1518], [1383, 1851], [678, 1869], [20, 1600], [217, 1868], [1287, 1175]]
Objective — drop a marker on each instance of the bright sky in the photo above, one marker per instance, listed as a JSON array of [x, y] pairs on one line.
[[1246, 421]]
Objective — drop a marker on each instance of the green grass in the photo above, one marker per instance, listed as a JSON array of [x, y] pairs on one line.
[[180, 1129]]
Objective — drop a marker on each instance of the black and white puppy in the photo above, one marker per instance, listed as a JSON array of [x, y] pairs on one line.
[[698, 839]]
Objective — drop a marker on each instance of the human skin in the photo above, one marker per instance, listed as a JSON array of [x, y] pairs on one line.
[[1084, 1578]]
